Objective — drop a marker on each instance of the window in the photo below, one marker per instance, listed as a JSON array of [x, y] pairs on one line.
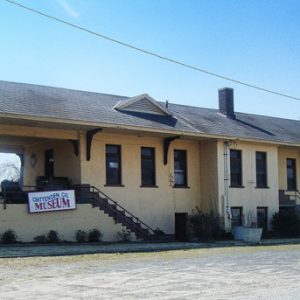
[[113, 164], [180, 174], [148, 166], [291, 174], [236, 216], [261, 169], [235, 168], [262, 217]]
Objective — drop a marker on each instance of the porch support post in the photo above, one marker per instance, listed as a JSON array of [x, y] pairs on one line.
[[75, 144], [21, 180], [89, 138], [167, 142]]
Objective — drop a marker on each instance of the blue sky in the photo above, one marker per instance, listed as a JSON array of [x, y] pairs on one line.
[[253, 41]]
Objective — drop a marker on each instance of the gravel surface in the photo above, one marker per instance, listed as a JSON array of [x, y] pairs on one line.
[[269, 272]]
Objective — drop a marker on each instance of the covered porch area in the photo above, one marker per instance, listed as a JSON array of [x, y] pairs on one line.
[[56, 159], [49, 159]]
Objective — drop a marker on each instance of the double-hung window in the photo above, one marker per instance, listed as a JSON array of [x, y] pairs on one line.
[[291, 174], [148, 166], [235, 168], [236, 216], [113, 164], [261, 169], [180, 168]]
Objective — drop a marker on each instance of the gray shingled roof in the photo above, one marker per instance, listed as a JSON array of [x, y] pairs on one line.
[[43, 101]]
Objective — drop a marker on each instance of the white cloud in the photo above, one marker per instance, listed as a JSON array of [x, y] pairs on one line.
[[68, 8]]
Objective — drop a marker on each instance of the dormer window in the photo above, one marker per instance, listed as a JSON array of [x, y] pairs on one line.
[[143, 104]]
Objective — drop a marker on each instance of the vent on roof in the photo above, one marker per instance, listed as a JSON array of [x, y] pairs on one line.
[[144, 104], [226, 104]]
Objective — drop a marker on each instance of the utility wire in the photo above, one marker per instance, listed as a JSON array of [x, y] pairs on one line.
[[182, 64]]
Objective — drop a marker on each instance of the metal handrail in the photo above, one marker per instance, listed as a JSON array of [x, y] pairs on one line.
[[293, 195], [12, 195], [138, 221], [297, 194], [24, 190]]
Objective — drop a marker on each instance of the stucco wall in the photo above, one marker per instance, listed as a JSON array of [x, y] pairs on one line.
[[249, 196], [209, 176], [27, 226], [155, 206], [283, 154], [66, 163]]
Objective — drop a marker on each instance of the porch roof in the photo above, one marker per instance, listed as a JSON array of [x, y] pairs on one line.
[[18, 100]]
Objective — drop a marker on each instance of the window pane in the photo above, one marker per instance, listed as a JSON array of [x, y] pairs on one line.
[[113, 164], [179, 177], [236, 216], [180, 172], [148, 166], [147, 152], [235, 168], [111, 149], [261, 169], [291, 174]]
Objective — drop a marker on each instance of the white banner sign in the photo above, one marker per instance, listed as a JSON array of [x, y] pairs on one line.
[[51, 201]]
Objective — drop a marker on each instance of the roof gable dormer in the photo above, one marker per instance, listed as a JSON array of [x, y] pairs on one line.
[[144, 104]]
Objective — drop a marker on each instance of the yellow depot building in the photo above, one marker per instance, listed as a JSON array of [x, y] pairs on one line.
[[138, 164]]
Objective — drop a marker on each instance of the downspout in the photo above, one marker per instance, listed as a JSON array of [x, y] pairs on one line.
[[226, 185]]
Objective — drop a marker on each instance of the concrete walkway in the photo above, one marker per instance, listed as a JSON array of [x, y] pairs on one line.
[[29, 250]]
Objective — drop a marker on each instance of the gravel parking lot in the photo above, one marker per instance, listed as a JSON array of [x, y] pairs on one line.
[[269, 272]]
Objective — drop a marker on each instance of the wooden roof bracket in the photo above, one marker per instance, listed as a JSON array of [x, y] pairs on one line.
[[167, 142], [89, 138]]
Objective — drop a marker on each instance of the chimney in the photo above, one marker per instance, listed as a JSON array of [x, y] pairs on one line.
[[226, 105]]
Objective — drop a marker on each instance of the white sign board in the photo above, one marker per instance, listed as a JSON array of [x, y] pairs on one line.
[[51, 201]]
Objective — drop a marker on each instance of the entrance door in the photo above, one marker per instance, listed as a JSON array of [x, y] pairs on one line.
[[181, 227], [262, 218], [49, 163]]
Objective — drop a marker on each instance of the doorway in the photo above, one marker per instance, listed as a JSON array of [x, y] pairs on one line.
[[49, 163], [262, 218], [181, 227]]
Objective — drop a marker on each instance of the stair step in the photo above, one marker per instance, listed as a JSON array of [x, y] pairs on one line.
[[103, 199], [93, 196]]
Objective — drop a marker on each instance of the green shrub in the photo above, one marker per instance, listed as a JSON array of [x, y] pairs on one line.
[[40, 239], [94, 236], [80, 236], [52, 237], [158, 233], [9, 237], [286, 223], [205, 226], [124, 235]]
